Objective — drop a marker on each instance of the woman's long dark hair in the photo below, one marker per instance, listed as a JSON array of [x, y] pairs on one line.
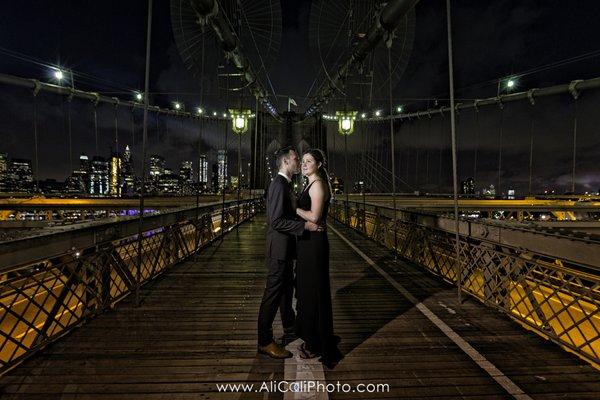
[[322, 170]]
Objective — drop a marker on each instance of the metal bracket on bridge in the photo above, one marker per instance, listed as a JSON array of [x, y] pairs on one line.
[[456, 108], [573, 88], [499, 101], [96, 99], [530, 94], [476, 105], [71, 95], [117, 102], [37, 87]]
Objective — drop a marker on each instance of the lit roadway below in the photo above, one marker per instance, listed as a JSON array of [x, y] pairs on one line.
[[437, 203], [41, 203], [402, 201]]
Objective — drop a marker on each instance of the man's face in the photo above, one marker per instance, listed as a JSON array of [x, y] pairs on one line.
[[293, 163]]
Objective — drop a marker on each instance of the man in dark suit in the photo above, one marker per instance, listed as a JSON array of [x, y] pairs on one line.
[[283, 227]]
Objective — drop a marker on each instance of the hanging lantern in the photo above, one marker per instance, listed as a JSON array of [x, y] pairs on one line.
[[239, 120], [346, 121]]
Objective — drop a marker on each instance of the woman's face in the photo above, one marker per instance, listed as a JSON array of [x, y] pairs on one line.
[[309, 165]]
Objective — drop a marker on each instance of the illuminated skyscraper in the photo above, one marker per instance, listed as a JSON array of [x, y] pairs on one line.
[[186, 178], [222, 163], [157, 166], [3, 172], [85, 168], [115, 175], [20, 175], [186, 172], [99, 176], [127, 177], [203, 170]]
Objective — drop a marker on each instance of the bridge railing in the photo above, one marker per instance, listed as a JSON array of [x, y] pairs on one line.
[[53, 283], [549, 284]]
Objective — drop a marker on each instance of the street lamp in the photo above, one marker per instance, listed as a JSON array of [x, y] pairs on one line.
[[346, 121], [239, 120], [363, 115], [177, 105], [200, 110], [510, 84], [59, 75], [399, 109], [346, 127], [138, 96], [378, 113]]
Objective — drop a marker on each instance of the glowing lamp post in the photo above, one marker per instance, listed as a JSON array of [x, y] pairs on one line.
[[239, 120], [346, 121], [346, 127], [239, 125]]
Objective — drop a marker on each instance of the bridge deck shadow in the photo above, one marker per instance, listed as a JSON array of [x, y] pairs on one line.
[[196, 327]]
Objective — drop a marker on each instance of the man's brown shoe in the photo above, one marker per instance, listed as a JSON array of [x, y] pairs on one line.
[[274, 350]]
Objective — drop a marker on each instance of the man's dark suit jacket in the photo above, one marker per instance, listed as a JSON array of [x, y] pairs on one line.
[[282, 226]]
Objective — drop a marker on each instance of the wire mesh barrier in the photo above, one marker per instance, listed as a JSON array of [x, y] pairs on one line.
[[44, 297], [556, 297]]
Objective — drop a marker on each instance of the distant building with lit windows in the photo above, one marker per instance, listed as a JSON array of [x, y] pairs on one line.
[[202, 170], [99, 177], [222, 166], [3, 172], [157, 166], [127, 177], [20, 175], [114, 186]]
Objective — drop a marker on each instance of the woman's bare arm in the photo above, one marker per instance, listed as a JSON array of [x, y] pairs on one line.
[[317, 196]]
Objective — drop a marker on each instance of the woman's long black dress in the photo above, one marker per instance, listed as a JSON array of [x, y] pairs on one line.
[[314, 319]]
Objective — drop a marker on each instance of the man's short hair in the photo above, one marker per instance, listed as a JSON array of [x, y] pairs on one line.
[[282, 153]]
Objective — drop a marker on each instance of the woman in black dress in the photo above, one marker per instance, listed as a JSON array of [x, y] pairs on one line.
[[314, 320]]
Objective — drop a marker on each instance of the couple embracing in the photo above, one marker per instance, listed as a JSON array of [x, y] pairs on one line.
[[297, 230]]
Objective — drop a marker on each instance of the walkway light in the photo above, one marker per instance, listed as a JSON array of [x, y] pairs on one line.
[[59, 75], [138, 96], [510, 84], [399, 109], [378, 113], [239, 120], [177, 105], [214, 113], [363, 115], [346, 121], [200, 110]]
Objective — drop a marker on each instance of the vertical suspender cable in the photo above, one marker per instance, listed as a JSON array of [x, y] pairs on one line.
[[442, 119], [574, 145], [69, 131], [417, 129], [117, 125], [531, 128], [200, 164], [35, 139], [226, 164], [498, 189], [132, 125], [96, 126], [477, 126], [392, 147], [254, 181], [458, 268], [144, 139]]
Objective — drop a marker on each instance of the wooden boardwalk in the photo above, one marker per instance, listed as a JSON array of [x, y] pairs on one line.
[[196, 328]]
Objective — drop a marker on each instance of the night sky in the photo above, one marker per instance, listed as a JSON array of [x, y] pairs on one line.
[[492, 39]]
